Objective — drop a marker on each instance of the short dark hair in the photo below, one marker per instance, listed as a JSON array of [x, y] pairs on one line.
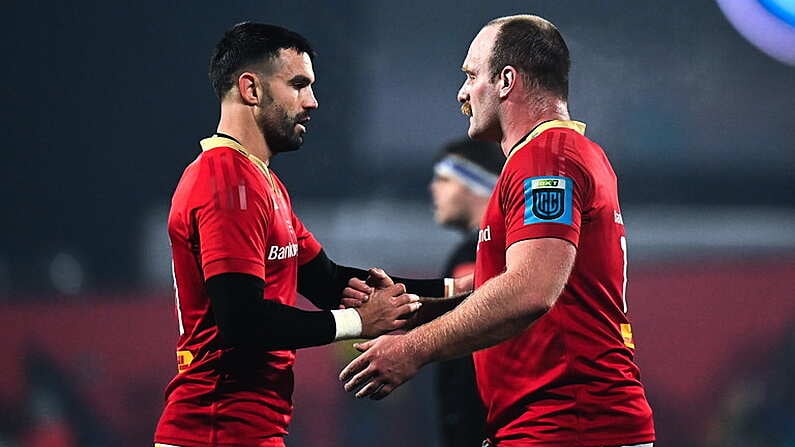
[[536, 49], [247, 44], [485, 154]]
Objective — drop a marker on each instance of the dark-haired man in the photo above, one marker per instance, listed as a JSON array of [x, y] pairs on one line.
[[240, 254], [554, 348], [464, 175]]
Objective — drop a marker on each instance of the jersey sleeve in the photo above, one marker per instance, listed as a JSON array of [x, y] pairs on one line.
[[232, 223], [308, 246], [545, 193]]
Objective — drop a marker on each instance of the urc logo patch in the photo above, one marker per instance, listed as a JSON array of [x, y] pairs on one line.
[[547, 199]]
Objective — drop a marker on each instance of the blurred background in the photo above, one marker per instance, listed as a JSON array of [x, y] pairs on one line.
[[105, 102]]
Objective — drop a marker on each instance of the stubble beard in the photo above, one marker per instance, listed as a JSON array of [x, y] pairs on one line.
[[279, 129], [486, 127]]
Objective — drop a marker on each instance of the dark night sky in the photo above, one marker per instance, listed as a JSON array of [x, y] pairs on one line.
[[105, 103]]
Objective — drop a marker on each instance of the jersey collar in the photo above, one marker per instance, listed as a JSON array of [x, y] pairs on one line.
[[225, 141], [576, 126]]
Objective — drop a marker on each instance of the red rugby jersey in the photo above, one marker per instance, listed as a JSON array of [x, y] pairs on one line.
[[570, 378], [229, 213]]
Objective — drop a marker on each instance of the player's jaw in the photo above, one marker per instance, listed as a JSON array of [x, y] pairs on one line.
[[282, 132], [484, 121], [477, 127]]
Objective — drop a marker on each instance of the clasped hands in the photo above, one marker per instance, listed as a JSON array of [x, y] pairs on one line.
[[382, 305], [388, 361]]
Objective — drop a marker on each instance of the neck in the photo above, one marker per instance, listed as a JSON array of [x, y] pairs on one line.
[[521, 118], [237, 120]]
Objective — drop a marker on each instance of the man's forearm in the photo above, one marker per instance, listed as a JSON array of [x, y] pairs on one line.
[[246, 320], [504, 306], [498, 310], [433, 308], [322, 281], [536, 273]]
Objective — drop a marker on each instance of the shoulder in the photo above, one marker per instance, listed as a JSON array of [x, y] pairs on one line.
[[555, 143], [554, 149], [229, 180], [227, 157], [228, 168], [558, 158]]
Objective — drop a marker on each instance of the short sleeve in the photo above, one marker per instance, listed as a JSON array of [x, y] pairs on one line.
[[308, 246], [232, 223], [544, 193]]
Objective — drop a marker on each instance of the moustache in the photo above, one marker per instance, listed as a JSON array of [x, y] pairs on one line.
[[466, 109]]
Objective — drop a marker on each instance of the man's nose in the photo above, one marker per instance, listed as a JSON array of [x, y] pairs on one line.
[[310, 102], [463, 95]]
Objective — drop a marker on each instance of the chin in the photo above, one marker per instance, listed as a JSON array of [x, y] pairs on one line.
[[294, 144], [484, 134], [476, 134]]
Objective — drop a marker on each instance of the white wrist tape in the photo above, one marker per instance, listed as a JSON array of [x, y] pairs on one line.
[[348, 324], [449, 287]]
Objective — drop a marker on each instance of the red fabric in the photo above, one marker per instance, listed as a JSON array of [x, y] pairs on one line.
[[463, 269], [569, 379], [226, 217]]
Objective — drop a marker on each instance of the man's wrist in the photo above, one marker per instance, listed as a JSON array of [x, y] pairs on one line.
[[347, 324], [417, 343]]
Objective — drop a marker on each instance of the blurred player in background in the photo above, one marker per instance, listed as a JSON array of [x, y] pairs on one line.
[[464, 176], [240, 254], [554, 360]]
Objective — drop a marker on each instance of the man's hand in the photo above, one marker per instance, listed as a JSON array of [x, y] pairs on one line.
[[378, 278], [386, 364], [387, 310], [358, 291]]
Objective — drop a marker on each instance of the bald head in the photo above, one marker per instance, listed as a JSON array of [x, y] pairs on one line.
[[536, 49]]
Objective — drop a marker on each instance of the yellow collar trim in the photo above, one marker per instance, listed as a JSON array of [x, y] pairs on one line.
[[576, 126], [214, 142], [211, 143]]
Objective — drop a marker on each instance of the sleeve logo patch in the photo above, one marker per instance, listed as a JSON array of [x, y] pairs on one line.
[[547, 200]]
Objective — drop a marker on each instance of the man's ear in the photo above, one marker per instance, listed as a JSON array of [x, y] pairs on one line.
[[248, 84], [507, 81]]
